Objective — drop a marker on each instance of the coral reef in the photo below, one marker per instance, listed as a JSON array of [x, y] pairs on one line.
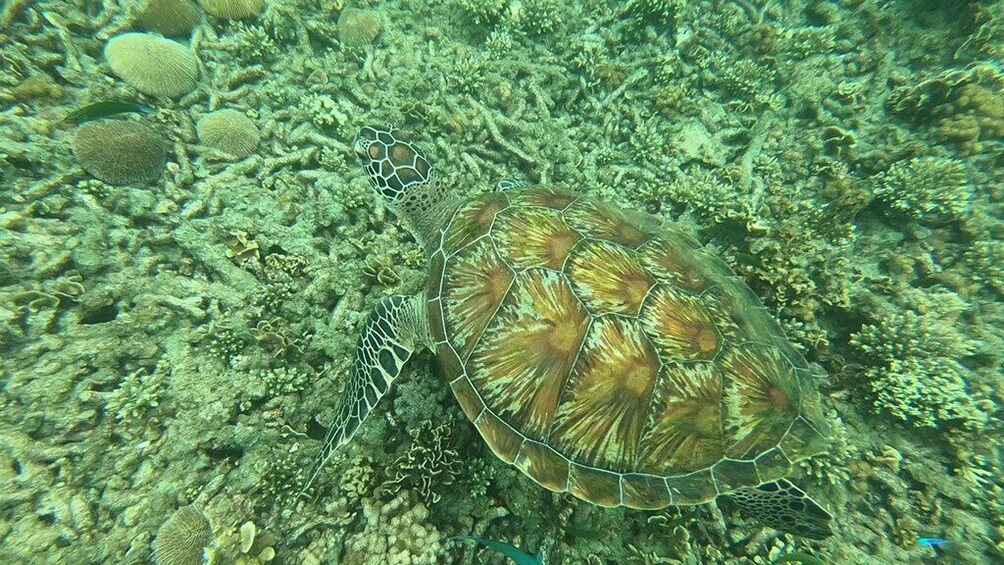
[[152, 64], [427, 466], [930, 189], [232, 9], [358, 28], [182, 342], [120, 152], [180, 541], [915, 375], [138, 393], [168, 17], [397, 532], [243, 546], [229, 131]]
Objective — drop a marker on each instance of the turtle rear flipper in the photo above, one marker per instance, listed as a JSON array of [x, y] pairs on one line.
[[393, 331], [785, 507]]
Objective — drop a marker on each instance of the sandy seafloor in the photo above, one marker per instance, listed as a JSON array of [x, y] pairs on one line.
[[181, 341]]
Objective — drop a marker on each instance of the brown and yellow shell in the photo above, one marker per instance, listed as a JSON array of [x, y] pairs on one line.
[[606, 356]]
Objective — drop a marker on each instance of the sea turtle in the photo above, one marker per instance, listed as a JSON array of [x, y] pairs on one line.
[[599, 352]]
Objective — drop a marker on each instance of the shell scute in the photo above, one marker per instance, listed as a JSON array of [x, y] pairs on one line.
[[686, 432], [680, 325], [645, 492], [731, 474], [552, 197], [609, 278], [503, 440], [595, 485], [601, 415], [762, 398], [475, 285], [605, 222], [694, 488], [534, 237], [521, 363], [473, 220], [543, 464]]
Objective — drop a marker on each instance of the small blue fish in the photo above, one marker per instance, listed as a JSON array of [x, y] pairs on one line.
[[518, 556], [933, 542]]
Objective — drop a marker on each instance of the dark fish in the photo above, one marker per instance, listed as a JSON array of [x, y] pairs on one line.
[[103, 110]]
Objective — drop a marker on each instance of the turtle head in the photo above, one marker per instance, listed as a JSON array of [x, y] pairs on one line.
[[393, 164], [403, 176]]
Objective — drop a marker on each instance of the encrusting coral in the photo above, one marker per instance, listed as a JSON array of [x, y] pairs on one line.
[[120, 152], [229, 131], [358, 28], [168, 17], [152, 64], [182, 538], [233, 9]]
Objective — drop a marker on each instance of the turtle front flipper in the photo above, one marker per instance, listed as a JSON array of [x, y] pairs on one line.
[[395, 329], [785, 507]]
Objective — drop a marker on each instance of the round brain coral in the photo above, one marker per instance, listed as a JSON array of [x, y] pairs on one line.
[[153, 64], [229, 131], [169, 17], [180, 541], [233, 9], [358, 28], [120, 152]]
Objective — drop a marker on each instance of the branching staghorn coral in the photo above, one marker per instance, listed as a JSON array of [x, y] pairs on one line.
[[915, 374]]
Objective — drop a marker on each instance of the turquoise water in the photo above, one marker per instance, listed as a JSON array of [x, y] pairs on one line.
[[183, 277]]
